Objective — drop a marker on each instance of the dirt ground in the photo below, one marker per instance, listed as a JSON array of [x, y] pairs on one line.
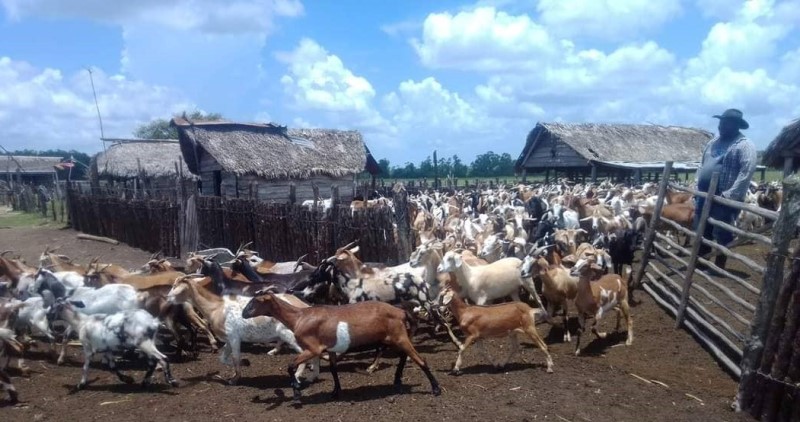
[[598, 386]]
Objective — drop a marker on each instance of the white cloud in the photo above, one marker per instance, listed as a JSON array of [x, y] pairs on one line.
[[319, 81], [208, 16], [606, 19], [483, 39], [532, 74], [43, 108]]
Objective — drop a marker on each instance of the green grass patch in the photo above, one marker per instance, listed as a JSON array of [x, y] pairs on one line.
[[13, 219]]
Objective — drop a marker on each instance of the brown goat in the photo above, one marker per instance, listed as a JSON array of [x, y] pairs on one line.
[[338, 329], [480, 322], [595, 298]]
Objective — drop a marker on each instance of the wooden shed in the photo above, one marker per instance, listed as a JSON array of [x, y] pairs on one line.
[[240, 159], [28, 169], [141, 163], [619, 151], [784, 151]]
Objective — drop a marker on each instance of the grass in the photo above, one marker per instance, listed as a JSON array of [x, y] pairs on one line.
[[14, 219]]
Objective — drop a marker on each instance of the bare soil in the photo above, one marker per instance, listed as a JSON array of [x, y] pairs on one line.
[[598, 386]]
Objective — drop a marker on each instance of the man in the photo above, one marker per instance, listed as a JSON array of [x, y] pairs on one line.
[[734, 157]]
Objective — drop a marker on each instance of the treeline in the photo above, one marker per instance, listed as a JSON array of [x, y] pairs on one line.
[[489, 164]]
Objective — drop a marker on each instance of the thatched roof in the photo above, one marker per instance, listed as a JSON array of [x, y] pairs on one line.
[[787, 142], [622, 142], [274, 152], [28, 164], [157, 157]]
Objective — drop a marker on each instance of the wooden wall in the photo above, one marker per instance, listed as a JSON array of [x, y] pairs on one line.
[[542, 155]]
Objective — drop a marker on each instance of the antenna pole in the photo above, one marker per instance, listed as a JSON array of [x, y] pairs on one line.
[[91, 79]]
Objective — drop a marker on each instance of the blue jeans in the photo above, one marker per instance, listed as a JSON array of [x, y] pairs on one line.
[[721, 213]]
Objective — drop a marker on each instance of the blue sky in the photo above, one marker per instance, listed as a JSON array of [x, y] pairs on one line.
[[412, 76]]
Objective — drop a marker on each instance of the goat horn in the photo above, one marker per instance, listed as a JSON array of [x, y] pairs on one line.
[[299, 261], [5, 252], [349, 245]]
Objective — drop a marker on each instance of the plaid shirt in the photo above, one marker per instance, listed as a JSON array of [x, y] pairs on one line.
[[738, 165]]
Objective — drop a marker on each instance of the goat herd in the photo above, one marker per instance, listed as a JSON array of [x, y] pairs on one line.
[[558, 247]]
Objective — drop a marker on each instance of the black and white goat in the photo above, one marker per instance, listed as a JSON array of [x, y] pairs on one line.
[[106, 334]]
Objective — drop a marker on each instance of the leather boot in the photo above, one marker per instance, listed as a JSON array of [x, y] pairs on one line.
[[720, 261]]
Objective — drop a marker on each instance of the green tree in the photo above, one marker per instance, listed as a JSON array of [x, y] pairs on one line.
[[160, 128], [459, 168], [383, 165]]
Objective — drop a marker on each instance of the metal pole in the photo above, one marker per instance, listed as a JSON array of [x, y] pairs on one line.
[[94, 93]]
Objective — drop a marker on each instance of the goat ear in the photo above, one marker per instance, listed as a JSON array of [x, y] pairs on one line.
[[77, 303], [355, 249]]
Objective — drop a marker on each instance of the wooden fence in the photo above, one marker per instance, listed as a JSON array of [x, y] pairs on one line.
[[149, 224], [717, 305], [279, 231]]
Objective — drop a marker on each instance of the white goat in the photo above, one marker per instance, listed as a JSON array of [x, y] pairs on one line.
[[482, 284], [114, 333]]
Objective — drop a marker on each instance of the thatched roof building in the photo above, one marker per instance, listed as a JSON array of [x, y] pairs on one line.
[[157, 158], [230, 156], [621, 150], [784, 150], [28, 168]]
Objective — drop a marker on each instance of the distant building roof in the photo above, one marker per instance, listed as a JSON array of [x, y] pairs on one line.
[[28, 164], [156, 156]]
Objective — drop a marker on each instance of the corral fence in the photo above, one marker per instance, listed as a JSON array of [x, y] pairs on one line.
[[282, 231], [48, 201], [745, 315]]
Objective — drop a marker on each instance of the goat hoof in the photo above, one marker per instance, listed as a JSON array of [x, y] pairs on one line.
[[233, 381], [126, 379], [13, 397], [335, 395], [455, 372], [436, 391], [174, 383], [80, 386]]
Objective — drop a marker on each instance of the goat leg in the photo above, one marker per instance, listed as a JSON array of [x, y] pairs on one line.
[[112, 365], [337, 388], [5, 382], [398, 374], [378, 352]]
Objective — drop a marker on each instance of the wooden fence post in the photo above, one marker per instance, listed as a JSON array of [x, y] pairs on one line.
[[334, 218], [649, 238], [783, 232], [401, 219], [698, 241], [292, 193]]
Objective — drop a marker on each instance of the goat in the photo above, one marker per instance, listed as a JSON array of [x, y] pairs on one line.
[[338, 329], [8, 345], [107, 300], [112, 333], [595, 298], [482, 284], [225, 321], [558, 287], [506, 319]]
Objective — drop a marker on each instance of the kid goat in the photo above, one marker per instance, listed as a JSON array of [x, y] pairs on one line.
[[480, 322], [596, 298], [338, 329]]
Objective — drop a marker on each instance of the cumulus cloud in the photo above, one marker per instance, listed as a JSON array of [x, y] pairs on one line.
[[44, 108], [606, 19], [209, 16], [535, 72]]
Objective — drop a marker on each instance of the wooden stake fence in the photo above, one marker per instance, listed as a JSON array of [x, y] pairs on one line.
[[719, 305]]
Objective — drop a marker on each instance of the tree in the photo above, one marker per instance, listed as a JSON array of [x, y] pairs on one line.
[[459, 168], [383, 165], [161, 129]]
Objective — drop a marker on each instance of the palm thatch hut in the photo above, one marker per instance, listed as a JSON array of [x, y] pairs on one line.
[[620, 151], [142, 164], [28, 169], [263, 160], [784, 150]]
